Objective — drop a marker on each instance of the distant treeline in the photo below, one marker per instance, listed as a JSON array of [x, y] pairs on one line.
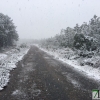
[[83, 37], [8, 33]]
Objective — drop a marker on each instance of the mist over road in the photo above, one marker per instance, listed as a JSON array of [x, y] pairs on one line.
[[40, 77]]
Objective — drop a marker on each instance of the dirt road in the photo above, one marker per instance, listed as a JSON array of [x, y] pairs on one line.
[[40, 77]]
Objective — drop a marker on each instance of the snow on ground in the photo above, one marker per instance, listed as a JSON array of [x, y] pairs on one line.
[[8, 62], [63, 55], [2, 56]]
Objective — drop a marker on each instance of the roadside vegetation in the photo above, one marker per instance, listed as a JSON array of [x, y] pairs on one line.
[[9, 58], [81, 43]]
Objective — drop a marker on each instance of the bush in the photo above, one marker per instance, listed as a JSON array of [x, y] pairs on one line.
[[79, 41], [23, 45], [84, 42], [97, 64], [86, 54]]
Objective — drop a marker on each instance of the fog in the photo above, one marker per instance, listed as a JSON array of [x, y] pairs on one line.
[[45, 18]]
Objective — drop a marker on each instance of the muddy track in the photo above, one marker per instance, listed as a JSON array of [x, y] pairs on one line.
[[40, 77]]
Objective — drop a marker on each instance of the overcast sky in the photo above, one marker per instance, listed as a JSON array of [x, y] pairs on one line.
[[45, 18]]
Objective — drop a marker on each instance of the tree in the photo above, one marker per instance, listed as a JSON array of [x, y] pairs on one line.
[[8, 33]]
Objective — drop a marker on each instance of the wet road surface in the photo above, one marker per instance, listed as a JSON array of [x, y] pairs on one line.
[[40, 77]]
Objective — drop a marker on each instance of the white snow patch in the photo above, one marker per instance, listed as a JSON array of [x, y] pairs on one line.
[[8, 62], [16, 92], [2, 56], [72, 80]]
